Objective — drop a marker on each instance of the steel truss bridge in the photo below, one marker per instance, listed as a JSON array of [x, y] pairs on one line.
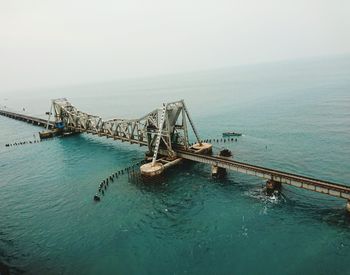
[[165, 132]]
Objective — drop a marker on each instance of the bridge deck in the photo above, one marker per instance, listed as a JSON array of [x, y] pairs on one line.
[[26, 118], [316, 185]]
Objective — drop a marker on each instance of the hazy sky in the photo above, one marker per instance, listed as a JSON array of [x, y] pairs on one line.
[[50, 43]]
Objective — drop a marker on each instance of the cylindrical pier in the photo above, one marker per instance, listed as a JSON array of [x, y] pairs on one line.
[[348, 206], [151, 171]]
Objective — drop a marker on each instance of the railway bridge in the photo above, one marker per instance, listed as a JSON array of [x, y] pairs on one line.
[[165, 132]]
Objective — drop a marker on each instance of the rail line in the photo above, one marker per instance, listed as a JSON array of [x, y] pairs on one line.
[[312, 184], [26, 118], [149, 131]]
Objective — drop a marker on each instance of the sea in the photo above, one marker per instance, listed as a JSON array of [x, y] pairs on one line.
[[294, 116]]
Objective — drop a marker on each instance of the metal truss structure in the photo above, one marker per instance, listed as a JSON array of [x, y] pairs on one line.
[[165, 127]]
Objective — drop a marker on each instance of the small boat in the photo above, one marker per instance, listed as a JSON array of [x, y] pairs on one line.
[[231, 134]]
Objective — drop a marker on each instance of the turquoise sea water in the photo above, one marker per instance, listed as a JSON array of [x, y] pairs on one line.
[[295, 116]]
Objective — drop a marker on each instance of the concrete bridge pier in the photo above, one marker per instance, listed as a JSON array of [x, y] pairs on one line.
[[202, 148], [348, 206], [150, 170], [164, 163], [272, 186], [219, 172]]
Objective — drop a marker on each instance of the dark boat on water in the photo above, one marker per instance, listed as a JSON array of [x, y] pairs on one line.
[[231, 134]]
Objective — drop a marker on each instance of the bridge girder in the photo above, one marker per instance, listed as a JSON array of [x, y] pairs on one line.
[[143, 130]]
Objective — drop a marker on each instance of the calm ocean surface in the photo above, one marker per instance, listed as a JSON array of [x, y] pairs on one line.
[[295, 116]]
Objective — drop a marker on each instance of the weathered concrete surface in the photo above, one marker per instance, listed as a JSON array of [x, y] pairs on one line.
[[150, 170]]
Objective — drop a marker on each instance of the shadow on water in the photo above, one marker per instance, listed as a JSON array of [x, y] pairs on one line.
[[4, 270], [8, 256], [307, 206], [312, 209], [91, 142], [172, 200]]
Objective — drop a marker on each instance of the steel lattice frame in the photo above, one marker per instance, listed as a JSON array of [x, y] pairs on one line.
[[143, 131]]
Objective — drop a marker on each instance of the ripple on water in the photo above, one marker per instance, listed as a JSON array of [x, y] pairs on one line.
[[190, 222]]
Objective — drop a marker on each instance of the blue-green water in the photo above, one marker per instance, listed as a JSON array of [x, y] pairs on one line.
[[295, 116]]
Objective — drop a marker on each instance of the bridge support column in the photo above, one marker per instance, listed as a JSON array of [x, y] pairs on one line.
[[218, 172], [150, 170], [348, 206], [202, 149], [159, 166], [272, 186]]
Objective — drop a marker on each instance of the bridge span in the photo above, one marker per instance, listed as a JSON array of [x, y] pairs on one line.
[[164, 131], [316, 185], [27, 118]]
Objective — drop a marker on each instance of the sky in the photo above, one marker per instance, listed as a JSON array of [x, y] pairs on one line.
[[63, 42]]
